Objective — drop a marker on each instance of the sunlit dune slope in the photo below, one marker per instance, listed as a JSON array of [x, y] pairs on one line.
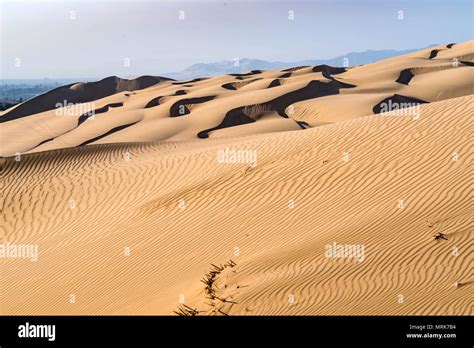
[[133, 228]]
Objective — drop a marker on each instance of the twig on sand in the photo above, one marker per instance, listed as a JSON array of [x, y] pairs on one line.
[[186, 311], [440, 236], [209, 280]]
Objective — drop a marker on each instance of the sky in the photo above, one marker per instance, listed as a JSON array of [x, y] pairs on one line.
[[65, 39]]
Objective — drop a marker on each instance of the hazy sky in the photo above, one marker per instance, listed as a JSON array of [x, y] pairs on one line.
[[99, 38]]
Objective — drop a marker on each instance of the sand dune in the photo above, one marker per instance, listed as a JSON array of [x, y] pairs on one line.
[[125, 226], [79, 93], [226, 105]]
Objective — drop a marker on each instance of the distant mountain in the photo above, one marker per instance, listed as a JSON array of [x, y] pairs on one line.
[[246, 64]]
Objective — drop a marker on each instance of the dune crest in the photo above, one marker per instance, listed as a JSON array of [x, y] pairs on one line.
[[159, 109]]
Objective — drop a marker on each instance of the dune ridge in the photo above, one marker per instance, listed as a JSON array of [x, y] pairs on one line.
[[308, 96], [78, 93]]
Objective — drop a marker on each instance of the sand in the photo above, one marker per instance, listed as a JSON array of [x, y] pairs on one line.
[[125, 226]]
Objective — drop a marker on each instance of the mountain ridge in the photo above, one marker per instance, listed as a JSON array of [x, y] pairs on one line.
[[249, 64]]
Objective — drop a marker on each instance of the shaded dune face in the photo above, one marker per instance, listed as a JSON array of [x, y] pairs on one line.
[[79, 93], [251, 113], [253, 72], [284, 76], [467, 63], [233, 86], [405, 76], [328, 70], [295, 68], [236, 104], [274, 83], [433, 54], [101, 110], [154, 102], [113, 130], [235, 117], [190, 81], [398, 102], [180, 108]]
